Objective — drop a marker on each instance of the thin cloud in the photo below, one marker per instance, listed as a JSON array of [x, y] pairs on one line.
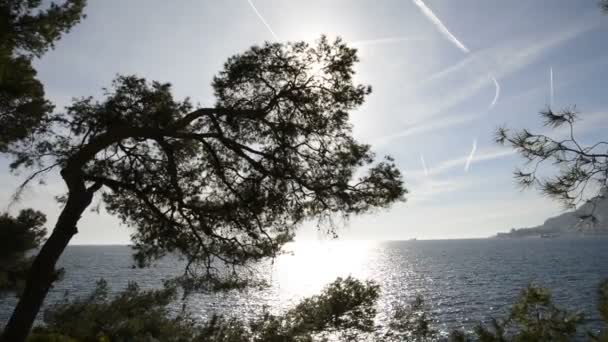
[[426, 170], [440, 26], [501, 60], [460, 95], [467, 165], [430, 188], [496, 94], [423, 127], [386, 40], [274, 35], [512, 56], [552, 93], [456, 163]]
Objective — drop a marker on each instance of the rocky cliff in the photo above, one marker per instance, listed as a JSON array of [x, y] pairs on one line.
[[576, 222]]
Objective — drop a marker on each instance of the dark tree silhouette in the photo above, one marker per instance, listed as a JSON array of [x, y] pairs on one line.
[[582, 170], [27, 31], [18, 236], [221, 186], [579, 165], [533, 317], [345, 308]]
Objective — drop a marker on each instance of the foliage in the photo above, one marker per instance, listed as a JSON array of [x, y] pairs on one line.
[[220, 186], [18, 236], [603, 308], [133, 315], [410, 323], [226, 185], [603, 302], [579, 165], [344, 311], [533, 317], [50, 337], [580, 168], [346, 305], [27, 30]]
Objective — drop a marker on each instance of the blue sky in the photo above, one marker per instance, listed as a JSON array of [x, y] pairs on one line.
[[445, 74]]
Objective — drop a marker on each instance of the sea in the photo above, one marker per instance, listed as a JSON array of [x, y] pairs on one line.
[[463, 282]]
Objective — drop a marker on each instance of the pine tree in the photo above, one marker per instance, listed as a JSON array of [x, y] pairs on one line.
[[221, 186]]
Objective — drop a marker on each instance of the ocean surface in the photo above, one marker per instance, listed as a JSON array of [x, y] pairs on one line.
[[463, 281]]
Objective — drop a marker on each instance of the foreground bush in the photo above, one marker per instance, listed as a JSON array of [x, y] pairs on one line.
[[133, 315], [344, 311], [19, 235], [533, 317], [344, 308]]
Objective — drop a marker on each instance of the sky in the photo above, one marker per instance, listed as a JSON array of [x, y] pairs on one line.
[[445, 74]]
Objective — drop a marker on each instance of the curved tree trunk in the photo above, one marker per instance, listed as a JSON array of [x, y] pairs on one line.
[[42, 274]]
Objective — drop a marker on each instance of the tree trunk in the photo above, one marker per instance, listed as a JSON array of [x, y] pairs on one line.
[[42, 274]]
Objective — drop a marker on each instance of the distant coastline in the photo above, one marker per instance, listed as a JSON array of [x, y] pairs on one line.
[[527, 233], [589, 219]]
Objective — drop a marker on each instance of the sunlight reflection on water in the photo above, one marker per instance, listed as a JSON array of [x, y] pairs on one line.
[[463, 281], [308, 266], [303, 270]]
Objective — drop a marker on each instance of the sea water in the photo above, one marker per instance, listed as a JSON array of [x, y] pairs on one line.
[[464, 282]]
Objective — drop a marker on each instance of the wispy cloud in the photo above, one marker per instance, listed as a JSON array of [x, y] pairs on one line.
[[496, 94], [467, 165], [552, 93], [512, 56], [424, 168], [422, 127], [572, 74], [430, 188], [440, 26], [499, 61], [457, 163], [274, 35], [386, 40], [589, 122]]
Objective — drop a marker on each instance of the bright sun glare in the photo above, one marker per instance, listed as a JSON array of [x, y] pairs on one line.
[[308, 266]]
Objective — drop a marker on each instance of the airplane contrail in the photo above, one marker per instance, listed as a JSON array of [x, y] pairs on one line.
[[551, 84], [497, 94], [467, 165], [263, 20], [444, 30], [426, 170]]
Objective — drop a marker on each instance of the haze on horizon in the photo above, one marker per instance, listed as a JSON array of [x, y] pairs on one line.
[[444, 75]]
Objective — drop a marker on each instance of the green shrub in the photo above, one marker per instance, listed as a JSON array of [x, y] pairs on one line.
[[49, 337], [533, 317], [345, 307], [344, 310], [133, 315]]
